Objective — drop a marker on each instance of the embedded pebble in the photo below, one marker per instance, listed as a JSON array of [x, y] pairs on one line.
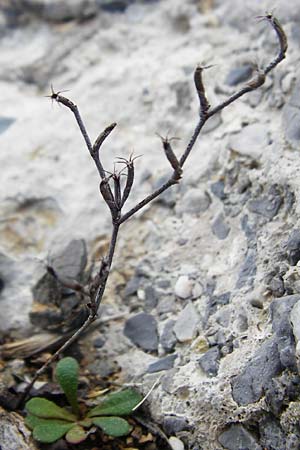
[[237, 437], [267, 205], [248, 270], [174, 424], [186, 325], [168, 338], [183, 287], [220, 228], [291, 117], [249, 386], [162, 364], [295, 319], [239, 74], [71, 261], [176, 443], [209, 362], [142, 331], [194, 201], [251, 140], [5, 123], [293, 247]]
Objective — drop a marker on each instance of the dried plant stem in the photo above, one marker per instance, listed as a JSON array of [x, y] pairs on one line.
[[116, 200]]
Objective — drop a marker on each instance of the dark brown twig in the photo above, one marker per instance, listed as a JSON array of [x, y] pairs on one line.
[[116, 200]]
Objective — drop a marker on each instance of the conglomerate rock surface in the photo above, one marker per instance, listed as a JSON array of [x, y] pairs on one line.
[[207, 277]]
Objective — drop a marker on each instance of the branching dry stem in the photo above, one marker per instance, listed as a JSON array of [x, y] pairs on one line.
[[97, 287]]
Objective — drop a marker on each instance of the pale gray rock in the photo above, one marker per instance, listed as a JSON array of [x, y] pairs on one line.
[[239, 74], [168, 338], [183, 287], [252, 140], [186, 325], [248, 270], [217, 189], [220, 228], [175, 443], [70, 262], [195, 201], [5, 123], [291, 117], [141, 329]]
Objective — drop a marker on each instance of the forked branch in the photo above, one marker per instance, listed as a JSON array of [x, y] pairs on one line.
[[115, 195]]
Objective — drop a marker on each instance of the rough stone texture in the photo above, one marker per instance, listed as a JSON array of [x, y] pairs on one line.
[[173, 424], [70, 262], [290, 117], [142, 331], [185, 327], [292, 247], [248, 387], [183, 287], [239, 74], [13, 432], [220, 228], [209, 362], [281, 323], [251, 140], [238, 437], [168, 339], [162, 364]]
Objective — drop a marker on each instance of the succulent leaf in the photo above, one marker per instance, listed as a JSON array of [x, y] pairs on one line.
[[41, 407], [66, 372], [51, 431], [33, 421], [117, 404], [113, 426]]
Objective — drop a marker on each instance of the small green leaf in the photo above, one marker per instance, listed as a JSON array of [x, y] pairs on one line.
[[33, 421], [67, 375], [41, 407], [76, 435], [86, 423], [51, 432], [117, 404], [113, 426]]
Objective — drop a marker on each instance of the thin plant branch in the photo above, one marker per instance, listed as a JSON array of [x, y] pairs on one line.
[[115, 198]]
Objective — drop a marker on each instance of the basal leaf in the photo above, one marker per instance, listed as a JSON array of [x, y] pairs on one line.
[[76, 435], [117, 404], [33, 421], [67, 375], [113, 426], [41, 407], [51, 432]]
